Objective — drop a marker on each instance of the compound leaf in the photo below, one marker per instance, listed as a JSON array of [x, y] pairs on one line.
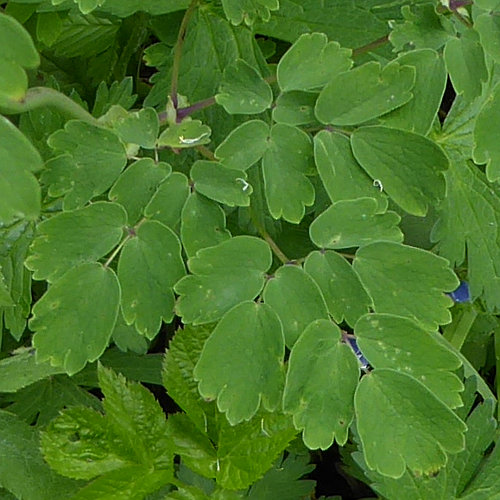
[[407, 281], [367, 91], [389, 156], [297, 299], [223, 276], [241, 364], [322, 376], [139, 127], [81, 235], [399, 343], [74, 319], [149, 266], [353, 223], [312, 62]]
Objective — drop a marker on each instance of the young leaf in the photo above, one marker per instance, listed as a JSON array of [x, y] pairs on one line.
[[140, 127], [341, 174], [223, 276], [402, 424], [322, 376], [486, 148], [312, 62], [203, 224], [366, 92], [74, 319], [244, 146], [222, 184], [20, 190], [243, 90], [407, 281], [295, 108], [399, 343], [241, 364], [285, 165], [92, 158], [82, 235], [136, 185], [149, 266], [354, 223], [344, 294], [389, 156], [296, 298], [248, 10], [188, 134]]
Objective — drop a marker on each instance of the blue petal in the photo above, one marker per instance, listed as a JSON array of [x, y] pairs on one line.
[[462, 293]]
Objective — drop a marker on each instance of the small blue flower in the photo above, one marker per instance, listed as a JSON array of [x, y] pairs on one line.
[[365, 365], [461, 294]]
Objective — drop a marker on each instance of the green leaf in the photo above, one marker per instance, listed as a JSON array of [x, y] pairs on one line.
[[222, 277], [20, 458], [312, 62], [407, 281], [486, 146], [296, 298], [74, 319], [118, 93], [344, 294], [20, 190], [82, 235], [488, 27], [389, 156], [149, 266], [203, 224], [136, 186], [399, 343], [23, 51], [127, 338], [125, 8], [238, 11], [422, 428], [245, 145], [167, 202], [295, 108], [188, 134], [382, 90], [140, 127], [243, 90], [341, 174], [13, 82], [48, 27], [322, 376], [465, 62], [419, 113], [241, 364], [285, 166], [222, 184], [91, 160], [353, 223]]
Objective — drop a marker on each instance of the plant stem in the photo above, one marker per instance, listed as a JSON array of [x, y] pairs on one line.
[[204, 151], [178, 51], [456, 333], [37, 97], [197, 106], [274, 247], [370, 46]]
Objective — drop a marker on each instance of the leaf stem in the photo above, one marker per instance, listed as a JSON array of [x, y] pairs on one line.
[[274, 247], [370, 46], [132, 232], [456, 333], [178, 52], [37, 97]]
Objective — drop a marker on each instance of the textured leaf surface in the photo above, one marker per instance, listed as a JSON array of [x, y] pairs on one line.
[[419, 113], [244, 146], [136, 186], [407, 281], [74, 319], [285, 165], [399, 343], [222, 277], [422, 428], [188, 134], [312, 62], [322, 376], [203, 224], [390, 155], [82, 235], [149, 266], [354, 223], [241, 364], [243, 90], [344, 294], [222, 184], [341, 174], [20, 190], [92, 158], [296, 298], [368, 91]]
